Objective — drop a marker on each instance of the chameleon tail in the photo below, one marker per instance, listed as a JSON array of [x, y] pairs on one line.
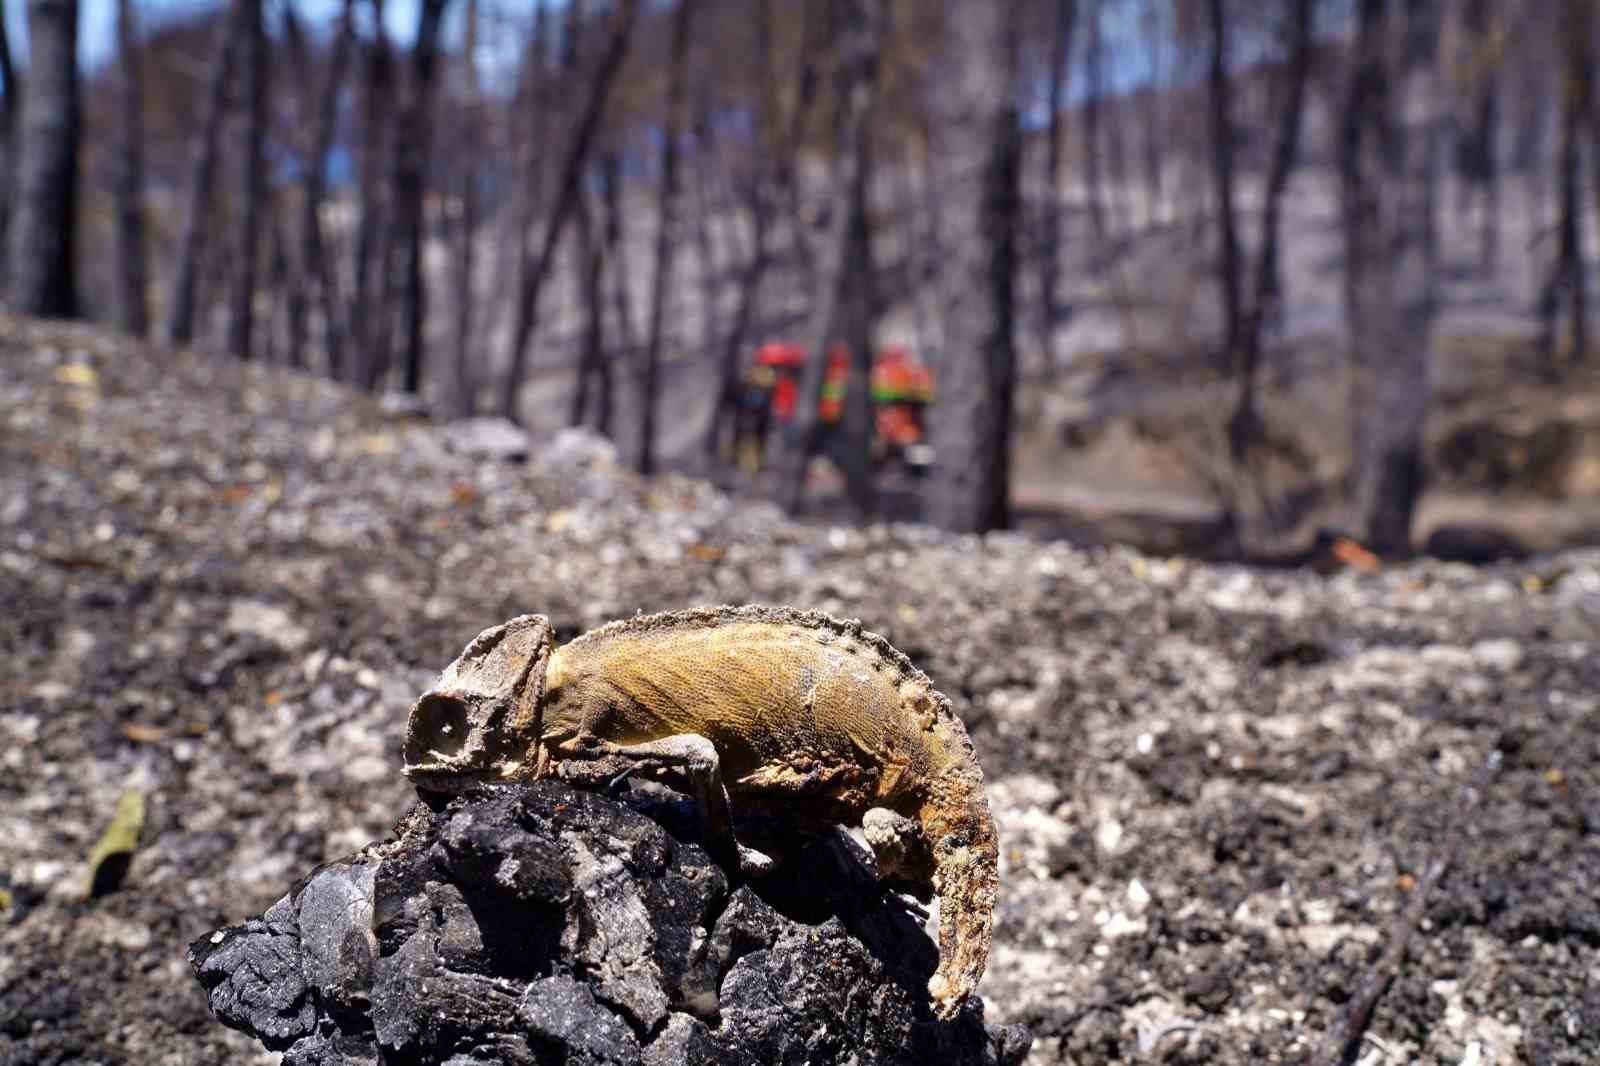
[[958, 825]]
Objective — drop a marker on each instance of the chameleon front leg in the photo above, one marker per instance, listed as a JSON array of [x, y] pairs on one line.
[[687, 760]]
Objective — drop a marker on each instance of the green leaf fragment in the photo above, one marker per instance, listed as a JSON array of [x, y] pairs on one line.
[[113, 852]]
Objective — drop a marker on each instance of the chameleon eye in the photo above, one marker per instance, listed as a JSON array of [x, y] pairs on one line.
[[440, 725]]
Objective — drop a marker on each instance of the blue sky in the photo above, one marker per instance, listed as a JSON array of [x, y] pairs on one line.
[[97, 29], [97, 21]]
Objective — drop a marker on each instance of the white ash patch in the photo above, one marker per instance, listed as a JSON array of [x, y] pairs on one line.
[[267, 621], [1502, 655], [1022, 792], [121, 933], [1477, 1038], [1322, 938], [1239, 591], [1029, 842]]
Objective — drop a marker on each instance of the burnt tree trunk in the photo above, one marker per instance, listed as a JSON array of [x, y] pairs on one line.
[[1151, 105], [8, 146], [252, 179], [860, 53], [314, 266], [410, 162], [1478, 156], [1230, 281], [666, 239], [860, 310], [471, 145], [819, 37], [1588, 90], [706, 208], [595, 380], [913, 218], [1055, 145], [1389, 180], [568, 188], [1244, 425], [531, 145], [203, 153], [1094, 91], [817, 42], [616, 261], [291, 281], [42, 266], [133, 313], [367, 330], [738, 333], [975, 105], [593, 371], [281, 290], [1568, 282]]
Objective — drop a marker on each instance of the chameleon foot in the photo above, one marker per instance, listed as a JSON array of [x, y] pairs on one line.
[[898, 845]]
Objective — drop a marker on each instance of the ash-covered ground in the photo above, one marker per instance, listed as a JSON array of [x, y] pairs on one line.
[[1217, 788]]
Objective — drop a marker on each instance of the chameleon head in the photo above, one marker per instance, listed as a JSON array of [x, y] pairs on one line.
[[480, 721]]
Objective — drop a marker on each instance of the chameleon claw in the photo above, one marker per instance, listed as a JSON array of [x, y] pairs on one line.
[[915, 907], [753, 863]]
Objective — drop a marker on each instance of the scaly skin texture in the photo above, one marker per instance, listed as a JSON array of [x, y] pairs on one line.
[[806, 715]]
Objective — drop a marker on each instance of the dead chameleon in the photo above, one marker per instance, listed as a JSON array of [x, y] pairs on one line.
[[759, 706]]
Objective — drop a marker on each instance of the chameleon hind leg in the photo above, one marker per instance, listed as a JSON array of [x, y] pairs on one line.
[[687, 760], [900, 848]]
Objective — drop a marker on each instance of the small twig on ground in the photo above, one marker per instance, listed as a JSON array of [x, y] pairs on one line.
[[1344, 1040], [1385, 1050]]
